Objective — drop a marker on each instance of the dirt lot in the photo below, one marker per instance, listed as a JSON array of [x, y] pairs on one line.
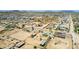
[[21, 35], [4, 43], [59, 43]]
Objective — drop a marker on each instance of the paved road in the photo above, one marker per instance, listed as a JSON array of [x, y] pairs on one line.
[[74, 35]]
